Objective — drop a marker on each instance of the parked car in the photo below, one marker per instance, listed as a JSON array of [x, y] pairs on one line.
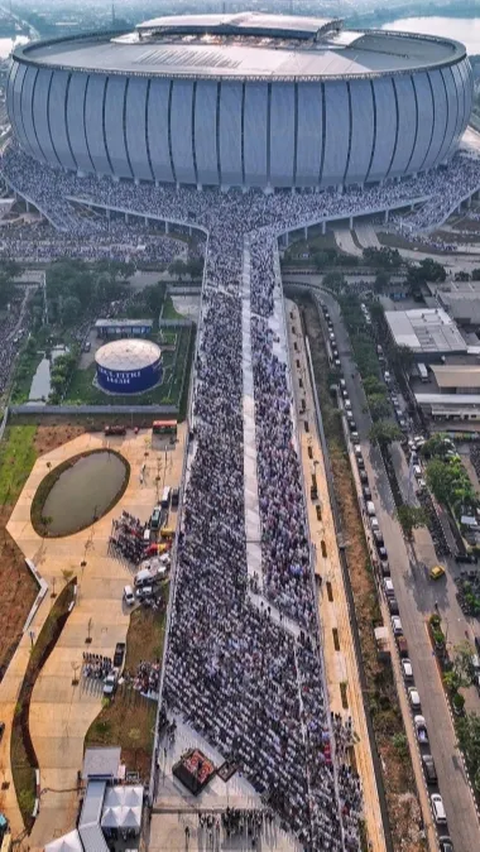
[[438, 808], [429, 769], [110, 684], [392, 606], [414, 698], [144, 592], [407, 669], [119, 655], [421, 729], [388, 586], [363, 477], [446, 844], [367, 493], [175, 497], [397, 626], [436, 572], [128, 596], [385, 568]]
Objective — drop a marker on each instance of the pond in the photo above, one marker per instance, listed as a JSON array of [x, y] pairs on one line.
[[84, 491], [41, 387]]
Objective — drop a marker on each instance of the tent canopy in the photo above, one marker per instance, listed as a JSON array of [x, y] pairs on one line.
[[67, 843], [122, 817]]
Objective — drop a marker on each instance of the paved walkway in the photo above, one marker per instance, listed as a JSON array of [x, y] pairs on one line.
[[61, 713]]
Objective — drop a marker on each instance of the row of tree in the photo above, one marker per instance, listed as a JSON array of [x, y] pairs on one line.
[[75, 286]]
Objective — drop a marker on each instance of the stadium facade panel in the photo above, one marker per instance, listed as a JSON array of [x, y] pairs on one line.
[[162, 104], [128, 366]]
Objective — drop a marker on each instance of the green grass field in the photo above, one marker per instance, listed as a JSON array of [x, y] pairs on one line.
[[17, 457]]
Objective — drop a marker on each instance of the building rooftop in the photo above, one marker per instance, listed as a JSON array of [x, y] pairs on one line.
[[457, 376], [248, 45], [458, 400], [427, 331], [101, 762], [131, 354]]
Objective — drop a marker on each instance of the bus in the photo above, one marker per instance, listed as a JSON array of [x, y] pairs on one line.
[[164, 427]]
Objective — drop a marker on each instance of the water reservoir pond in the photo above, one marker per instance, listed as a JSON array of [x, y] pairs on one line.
[[86, 488]]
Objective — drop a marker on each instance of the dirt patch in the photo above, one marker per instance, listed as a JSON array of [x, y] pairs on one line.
[[48, 438], [18, 591], [129, 720]]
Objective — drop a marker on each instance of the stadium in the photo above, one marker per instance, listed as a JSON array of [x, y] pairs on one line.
[[247, 100], [128, 366]]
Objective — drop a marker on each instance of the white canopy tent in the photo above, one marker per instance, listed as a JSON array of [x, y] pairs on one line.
[[122, 817], [124, 796], [67, 843]]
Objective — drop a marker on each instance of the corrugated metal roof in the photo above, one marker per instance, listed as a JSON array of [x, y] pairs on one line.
[[457, 376]]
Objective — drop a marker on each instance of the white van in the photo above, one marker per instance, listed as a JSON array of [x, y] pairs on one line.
[[370, 509], [438, 808], [374, 524], [143, 578], [166, 497]]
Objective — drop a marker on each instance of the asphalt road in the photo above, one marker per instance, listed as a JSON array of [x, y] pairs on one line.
[[415, 595]]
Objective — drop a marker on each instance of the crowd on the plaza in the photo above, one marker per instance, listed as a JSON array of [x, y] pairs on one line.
[[146, 677], [96, 666]]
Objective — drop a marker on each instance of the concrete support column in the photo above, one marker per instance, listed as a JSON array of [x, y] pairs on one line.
[[469, 202], [109, 213], [305, 233], [287, 240], [126, 218], [324, 227], [190, 230], [27, 206], [146, 220], [386, 215], [167, 227], [350, 223], [412, 207]]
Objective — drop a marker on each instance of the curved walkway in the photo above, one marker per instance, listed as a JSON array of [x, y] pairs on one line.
[[60, 713]]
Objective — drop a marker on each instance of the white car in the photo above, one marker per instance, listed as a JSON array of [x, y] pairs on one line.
[[407, 669], [388, 586], [397, 626], [438, 808], [128, 596], [414, 698], [348, 405], [110, 684]]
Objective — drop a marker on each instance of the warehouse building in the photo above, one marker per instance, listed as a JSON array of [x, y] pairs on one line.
[[430, 333]]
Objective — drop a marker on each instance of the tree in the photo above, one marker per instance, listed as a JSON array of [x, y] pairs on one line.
[[372, 384], [462, 276], [378, 405], [411, 518], [462, 663], [468, 732], [382, 281], [384, 432], [71, 310], [320, 260], [439, 480], [401, 357], [178, 268], [334, 281]]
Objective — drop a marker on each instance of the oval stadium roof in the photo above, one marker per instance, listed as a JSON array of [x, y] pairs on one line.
[[246, 46], [128, 355]]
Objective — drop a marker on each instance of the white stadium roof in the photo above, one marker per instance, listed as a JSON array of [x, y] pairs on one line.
[[126, 355], [249, 45]]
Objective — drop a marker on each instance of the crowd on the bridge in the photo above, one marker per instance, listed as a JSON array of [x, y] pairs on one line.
[[246, 670], [114, 240], [63, 198], [10, 327]]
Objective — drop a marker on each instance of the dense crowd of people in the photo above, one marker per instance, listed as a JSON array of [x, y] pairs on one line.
[[250, 683], [40, 241], [59, 194]]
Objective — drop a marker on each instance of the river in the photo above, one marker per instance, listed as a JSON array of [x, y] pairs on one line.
[[466, 30]]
